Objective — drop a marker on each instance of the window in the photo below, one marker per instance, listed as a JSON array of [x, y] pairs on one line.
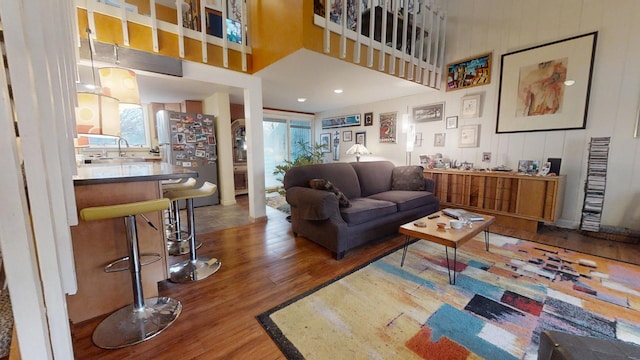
[[133, 128], [281, 132]]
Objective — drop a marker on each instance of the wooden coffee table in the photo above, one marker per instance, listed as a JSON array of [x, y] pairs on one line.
[[449, 237]]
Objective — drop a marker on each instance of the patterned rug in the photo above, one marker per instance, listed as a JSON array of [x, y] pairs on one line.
[[501, 302]]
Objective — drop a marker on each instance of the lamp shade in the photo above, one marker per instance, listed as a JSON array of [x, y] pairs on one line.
[[121, 84], [97, 115], [357, 149]]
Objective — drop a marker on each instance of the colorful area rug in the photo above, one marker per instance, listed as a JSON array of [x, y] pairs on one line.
[[501, 302]]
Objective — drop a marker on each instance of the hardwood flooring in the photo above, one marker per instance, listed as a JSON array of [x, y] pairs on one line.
[[263, 265]]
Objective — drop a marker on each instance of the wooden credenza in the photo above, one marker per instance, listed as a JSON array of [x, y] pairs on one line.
[[517, 201]]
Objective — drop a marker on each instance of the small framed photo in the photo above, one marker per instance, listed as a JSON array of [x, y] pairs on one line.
[[346, 136], [368, 119], [469, 136], [452, 122], [361, 138], [470, 107], [325, 140], [438, 139]]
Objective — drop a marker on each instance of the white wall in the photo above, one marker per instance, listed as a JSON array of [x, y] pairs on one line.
[[502, 26]]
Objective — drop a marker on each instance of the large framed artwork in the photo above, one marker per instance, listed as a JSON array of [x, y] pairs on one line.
[[469, 72], [388, 127], [546, 87]]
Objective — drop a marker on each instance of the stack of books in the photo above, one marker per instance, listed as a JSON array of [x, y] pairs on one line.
[[596, 181]]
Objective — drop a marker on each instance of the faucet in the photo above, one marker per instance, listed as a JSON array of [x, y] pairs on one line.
[[120, 152]]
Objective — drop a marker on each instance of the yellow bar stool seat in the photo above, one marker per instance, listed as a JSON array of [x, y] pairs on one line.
[[177, 241], [144, 318], [195, 268]]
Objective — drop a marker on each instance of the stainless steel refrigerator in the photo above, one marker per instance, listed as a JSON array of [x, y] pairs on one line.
[[189, 140]]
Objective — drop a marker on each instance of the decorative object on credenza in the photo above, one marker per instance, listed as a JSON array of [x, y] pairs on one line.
[[470, 72], [432, 112], [469, 136], [596, 181], [452, 122], [438, 139], [528, 167], [389, 127], [357, 150], [325, 140], [341, 121], [347, 136], [555, 165], [470, 107], [368, 119], [361, 138], [546, 87]]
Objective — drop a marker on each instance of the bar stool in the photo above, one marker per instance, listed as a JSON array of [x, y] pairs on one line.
[[195, 268], [145, 318], [177, 242]]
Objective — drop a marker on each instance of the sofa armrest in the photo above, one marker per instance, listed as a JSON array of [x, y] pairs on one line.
[[429, 185], [312, 204]]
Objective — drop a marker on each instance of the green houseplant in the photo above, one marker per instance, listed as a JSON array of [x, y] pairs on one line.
[[307, 154]]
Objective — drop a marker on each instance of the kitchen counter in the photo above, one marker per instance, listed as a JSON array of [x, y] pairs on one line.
[[130, 171], [97, 243]]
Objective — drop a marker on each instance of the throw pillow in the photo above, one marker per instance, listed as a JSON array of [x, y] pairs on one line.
[[322, 184], [407, 178]]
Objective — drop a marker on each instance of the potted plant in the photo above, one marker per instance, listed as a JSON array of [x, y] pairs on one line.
[[307, 154]]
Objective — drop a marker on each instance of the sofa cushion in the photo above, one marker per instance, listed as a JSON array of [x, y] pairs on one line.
[[374, 176], [366, 209], [406, 200], [341, 175], [408, 178], [323, 184]]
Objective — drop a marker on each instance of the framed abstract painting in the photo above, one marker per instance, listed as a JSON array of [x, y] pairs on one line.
[[546, 87]]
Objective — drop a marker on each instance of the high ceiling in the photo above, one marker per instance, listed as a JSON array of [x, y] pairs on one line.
[[302, 74]]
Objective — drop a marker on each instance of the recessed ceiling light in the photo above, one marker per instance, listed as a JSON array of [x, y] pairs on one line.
[[302, 99], [569, 82], [338, 91]]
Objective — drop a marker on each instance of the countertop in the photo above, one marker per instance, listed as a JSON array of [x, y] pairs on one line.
[[89, 174]]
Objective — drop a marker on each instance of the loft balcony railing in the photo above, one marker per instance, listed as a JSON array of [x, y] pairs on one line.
[[202, 20], [413, 48]]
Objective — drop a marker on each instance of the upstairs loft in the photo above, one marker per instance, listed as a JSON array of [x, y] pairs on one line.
[[412, 50]]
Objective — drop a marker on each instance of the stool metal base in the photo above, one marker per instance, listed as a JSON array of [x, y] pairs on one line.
[[181, 247], [190, 270], [128, 326]]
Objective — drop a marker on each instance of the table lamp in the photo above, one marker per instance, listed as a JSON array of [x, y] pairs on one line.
[[358, 149]]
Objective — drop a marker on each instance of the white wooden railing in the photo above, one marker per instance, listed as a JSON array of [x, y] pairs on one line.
[[419, 57], [181, 29]]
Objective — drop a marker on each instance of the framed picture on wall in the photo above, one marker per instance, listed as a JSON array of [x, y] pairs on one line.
[[361, 138], [469, 72], [388, 127], [546, 87], [432, 112], [346, 136], [325, 140], [470, 107], [368, 119], [438, 139], [452, 122], [469, 136]]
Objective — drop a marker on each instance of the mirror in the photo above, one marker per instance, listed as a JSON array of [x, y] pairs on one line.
[[239, 141]]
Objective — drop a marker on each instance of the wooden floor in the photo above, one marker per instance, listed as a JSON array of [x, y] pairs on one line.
[[263, 265]]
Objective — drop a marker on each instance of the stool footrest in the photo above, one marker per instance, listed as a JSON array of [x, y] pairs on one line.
[[109, 268]]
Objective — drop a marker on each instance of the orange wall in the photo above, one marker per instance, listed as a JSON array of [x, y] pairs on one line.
[[276, 30]]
